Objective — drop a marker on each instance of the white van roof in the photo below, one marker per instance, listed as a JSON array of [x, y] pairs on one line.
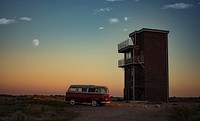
[[86, 86]]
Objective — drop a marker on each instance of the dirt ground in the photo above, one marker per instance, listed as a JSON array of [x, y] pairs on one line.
[[120, 111], [53, 108]]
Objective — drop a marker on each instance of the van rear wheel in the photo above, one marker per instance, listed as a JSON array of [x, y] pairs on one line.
[[72, 102], [94, 103]]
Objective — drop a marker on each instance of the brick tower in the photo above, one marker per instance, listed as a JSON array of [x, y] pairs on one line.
[[145, 65]]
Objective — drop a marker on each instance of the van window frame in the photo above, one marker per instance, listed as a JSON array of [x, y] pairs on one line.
[[87, 89]]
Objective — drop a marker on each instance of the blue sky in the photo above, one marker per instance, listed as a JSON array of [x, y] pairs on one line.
[[82, 30]]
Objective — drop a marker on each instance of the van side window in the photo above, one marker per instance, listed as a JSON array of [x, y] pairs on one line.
[[97, 90], [79, 89], [92, 89], [103, 90], [72, 89], [84, 89]]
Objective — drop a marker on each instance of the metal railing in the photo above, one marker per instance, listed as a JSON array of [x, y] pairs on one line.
[[125, 44], [121, 62], [135, 60]]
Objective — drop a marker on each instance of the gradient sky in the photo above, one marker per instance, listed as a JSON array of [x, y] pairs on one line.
[[78, 43]]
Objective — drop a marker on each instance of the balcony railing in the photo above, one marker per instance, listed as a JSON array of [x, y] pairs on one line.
[[121, 63], [129, 61], [125, 44]]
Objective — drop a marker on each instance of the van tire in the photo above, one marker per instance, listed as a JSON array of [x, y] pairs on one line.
[[72, 102], [94, 103]]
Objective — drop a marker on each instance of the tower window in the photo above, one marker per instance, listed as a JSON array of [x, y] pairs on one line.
[[128, 55]]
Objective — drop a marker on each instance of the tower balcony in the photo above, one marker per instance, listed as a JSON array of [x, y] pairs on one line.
[[130, 61], [121, 63], [125, 46]]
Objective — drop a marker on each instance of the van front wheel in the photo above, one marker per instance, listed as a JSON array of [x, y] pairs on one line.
[[94, 103], [72, 102]]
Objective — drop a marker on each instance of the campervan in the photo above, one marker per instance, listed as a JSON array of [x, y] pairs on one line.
[[96, 95]]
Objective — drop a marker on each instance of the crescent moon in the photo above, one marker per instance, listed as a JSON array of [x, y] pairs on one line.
[[36, 42]]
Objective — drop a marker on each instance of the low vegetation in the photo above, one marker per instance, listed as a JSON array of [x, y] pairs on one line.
[[25, 108], [53, 108], [191, 113]]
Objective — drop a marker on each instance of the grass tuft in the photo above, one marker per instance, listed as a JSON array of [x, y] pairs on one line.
[[37, 107], [186, 113]]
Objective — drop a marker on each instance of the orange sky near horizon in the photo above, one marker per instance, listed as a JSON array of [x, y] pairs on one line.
[[37, 75], [34, 73]]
